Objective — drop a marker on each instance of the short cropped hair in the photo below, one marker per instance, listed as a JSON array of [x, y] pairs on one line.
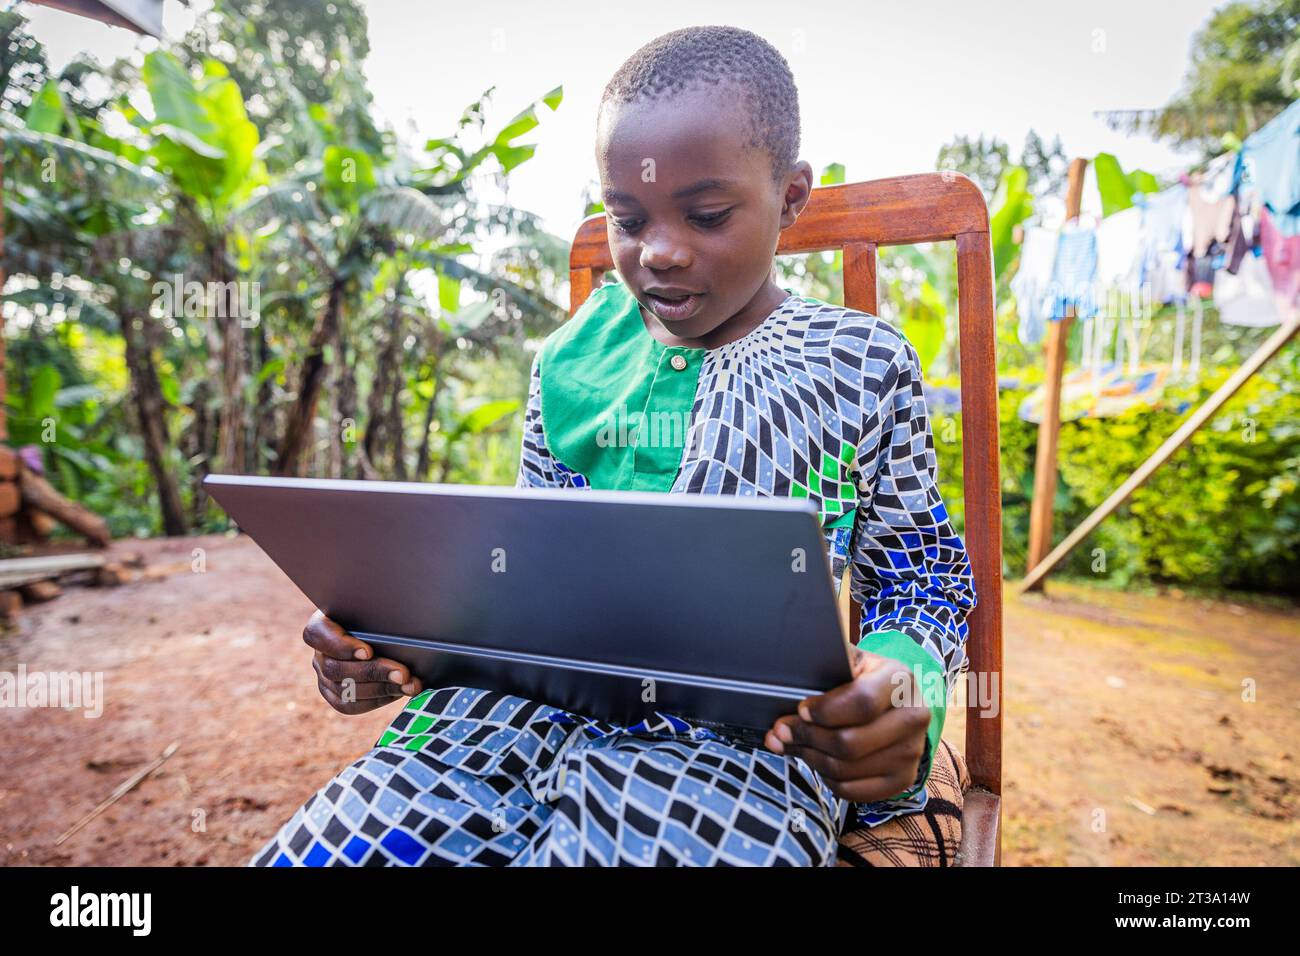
[[717, 55]]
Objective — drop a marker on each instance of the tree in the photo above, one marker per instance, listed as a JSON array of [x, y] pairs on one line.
[[1047, 167], [72, 240], [982, 160], [299, 195], [371, 209], [200, 137], [1245, 69]]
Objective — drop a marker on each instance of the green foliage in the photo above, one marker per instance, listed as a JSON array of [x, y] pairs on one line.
[[451, 161], [832, 175], [1223, 512], [1118, 188], [70, 420], [482, 416], [919, 286], [200, 133], [980, 159], [295, 193], [47, 112], [349, 174], [1016, 440], [1047, 165], [1012, 205], [23, 67]]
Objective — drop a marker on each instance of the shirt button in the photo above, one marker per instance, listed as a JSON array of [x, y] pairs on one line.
[[678, 362]]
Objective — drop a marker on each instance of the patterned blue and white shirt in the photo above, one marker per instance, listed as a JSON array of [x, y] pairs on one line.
[[818, 401]]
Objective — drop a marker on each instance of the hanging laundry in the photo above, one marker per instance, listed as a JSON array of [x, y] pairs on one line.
[[1031, 281], [1162, 243], [1219, 180], [1165, 279], [1246, 297], [1162, 222], [1271, 156], [1119, 239], [1211, 218], [943, 399], [1243, 233], [1073, 273], [1207, 228], [1199, 275], [1282, 253]]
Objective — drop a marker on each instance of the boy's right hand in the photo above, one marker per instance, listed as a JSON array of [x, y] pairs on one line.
[[349, 675]]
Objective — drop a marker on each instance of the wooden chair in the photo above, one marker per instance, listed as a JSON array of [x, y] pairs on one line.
[[858, 218]]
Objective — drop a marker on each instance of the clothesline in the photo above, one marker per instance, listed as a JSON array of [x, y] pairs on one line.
[[1229, 234]]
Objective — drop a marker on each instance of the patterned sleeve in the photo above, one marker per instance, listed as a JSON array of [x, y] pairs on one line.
[[537, 467], [910, 569]]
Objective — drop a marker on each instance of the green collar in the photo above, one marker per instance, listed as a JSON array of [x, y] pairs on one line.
[[616, 402]]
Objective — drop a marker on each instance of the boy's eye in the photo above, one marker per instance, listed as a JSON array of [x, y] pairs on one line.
[[710, 218], [707, 220]]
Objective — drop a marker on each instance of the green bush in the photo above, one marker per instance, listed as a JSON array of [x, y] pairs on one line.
[[1223, 512]]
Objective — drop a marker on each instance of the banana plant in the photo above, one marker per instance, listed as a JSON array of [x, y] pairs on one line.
[[1012, 205], [1117, 187], [353, 208]]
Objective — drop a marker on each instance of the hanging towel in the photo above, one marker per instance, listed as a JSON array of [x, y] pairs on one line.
[[1243, 234], [1031, 281], [1246, 298], [1211, 218], [1073, 273], [1162, 220], [1272, 157], [1165, 279], [1219, 179], [1282, 253], [1119, 238], [1162, 243]]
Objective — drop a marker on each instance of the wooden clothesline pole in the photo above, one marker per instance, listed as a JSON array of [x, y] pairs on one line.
[[1049, 426], [1271, 347]]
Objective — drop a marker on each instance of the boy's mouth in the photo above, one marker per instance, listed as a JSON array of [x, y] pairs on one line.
[[675, 307]]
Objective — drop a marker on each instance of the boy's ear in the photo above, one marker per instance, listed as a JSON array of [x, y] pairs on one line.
[[798, 190]]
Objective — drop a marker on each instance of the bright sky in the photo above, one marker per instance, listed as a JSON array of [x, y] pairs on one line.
[[882, 84]]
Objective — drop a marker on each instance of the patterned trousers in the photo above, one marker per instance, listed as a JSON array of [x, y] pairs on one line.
[[473, 777]]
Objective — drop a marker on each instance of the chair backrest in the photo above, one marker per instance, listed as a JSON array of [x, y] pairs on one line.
[[858, 218]]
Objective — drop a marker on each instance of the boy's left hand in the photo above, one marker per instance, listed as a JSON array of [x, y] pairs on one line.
[[864, 747]]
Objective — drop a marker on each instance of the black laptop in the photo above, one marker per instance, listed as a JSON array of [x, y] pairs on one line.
[[616, 605]]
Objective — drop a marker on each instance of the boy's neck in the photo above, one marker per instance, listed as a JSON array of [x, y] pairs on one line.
[[737, 327]]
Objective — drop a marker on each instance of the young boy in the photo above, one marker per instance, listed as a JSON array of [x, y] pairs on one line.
[[778, 394]]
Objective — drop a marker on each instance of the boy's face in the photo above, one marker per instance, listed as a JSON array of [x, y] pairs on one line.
[[692, 209]]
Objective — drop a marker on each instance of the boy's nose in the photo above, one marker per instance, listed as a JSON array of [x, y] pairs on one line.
[[665, 253]]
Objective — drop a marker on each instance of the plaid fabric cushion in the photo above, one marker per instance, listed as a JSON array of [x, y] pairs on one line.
[[929, 837]]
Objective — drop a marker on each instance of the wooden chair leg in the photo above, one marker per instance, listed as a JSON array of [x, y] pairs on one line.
[[981, 823]]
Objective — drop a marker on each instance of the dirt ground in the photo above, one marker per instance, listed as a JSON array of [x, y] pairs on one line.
[[1140, 728]]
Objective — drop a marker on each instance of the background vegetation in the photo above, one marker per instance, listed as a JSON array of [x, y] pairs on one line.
[[388, 345]]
